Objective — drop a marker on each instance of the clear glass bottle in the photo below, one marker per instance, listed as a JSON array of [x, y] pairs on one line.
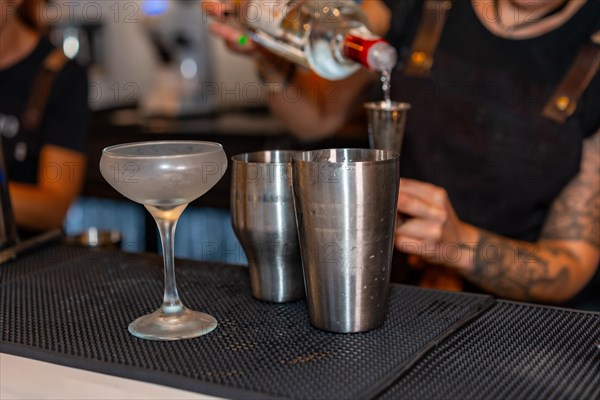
[[330, 37]]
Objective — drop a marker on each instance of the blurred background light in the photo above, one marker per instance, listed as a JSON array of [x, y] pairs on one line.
[[154, 7]]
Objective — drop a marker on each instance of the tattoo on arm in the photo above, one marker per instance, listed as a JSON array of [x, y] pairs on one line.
[[519, 270], [575, 214], [526, 271]]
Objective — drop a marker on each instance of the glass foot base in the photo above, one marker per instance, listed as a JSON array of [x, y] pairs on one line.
[[186, 324]]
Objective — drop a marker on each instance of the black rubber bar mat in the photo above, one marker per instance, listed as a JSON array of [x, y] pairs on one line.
[[513, 351], [71, 306]]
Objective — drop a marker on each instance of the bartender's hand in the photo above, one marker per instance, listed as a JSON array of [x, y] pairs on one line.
[[226, 15], [429, 227]]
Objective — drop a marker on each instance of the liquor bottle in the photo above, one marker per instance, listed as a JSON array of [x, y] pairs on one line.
[[330, 37]]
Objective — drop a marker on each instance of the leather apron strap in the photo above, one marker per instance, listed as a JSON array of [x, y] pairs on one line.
[[435, 13], [40, 91], [563, 102]]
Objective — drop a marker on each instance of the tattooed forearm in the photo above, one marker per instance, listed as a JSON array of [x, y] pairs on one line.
[[520, 270], [575, 214], [562, 261]]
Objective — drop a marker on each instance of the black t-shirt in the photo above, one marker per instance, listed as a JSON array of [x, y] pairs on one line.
[[65, 118], [476, 126]]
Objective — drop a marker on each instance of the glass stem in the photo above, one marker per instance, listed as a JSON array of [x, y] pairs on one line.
[[171, 302]]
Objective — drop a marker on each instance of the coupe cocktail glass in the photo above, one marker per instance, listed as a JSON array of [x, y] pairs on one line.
[[165, 177]]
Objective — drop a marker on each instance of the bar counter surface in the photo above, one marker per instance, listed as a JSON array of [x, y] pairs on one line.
[[70, 306]]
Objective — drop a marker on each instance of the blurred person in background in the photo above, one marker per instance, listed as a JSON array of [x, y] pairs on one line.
[[43, 119], [501, 156]]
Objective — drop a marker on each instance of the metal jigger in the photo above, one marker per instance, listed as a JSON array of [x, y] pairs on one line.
[[386, 124]]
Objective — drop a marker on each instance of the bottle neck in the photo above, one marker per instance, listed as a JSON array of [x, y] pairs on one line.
[[369, 50]]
